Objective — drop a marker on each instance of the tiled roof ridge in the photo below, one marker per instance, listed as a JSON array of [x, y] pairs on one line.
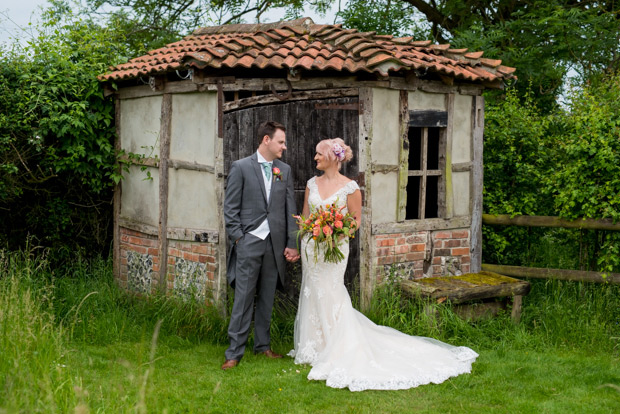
[[303, 44], [302, 24]]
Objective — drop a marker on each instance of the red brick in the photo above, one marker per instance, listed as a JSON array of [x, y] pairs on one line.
[[174, 252], [465, 259], [460, 234], [210, 259], [401, 241], [442, 252], [452, 243], [384, 251], [202, 258], [138, 249], [211, 267], [155, 259], [402, 249], [460, 251], [436, 260], [385, 260], [171, 260], [443, 235], [465, 268], [155, 267], [125, 238], [411, 257], [200, 249], [154, 251], [417, 247], [190, 256]]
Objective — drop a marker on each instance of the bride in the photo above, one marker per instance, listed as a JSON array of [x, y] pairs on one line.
[[344, 347]]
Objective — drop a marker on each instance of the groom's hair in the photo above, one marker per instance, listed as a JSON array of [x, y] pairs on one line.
[[268, 128]]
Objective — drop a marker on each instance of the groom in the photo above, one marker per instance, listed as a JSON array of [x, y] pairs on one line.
[[258, 210]]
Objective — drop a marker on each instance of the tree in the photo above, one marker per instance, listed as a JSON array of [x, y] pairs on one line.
[[57, 153]]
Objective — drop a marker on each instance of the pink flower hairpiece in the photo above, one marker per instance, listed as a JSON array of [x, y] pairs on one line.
[[339, 152]]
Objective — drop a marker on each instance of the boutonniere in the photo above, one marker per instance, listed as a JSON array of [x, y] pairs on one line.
[[277, 174]]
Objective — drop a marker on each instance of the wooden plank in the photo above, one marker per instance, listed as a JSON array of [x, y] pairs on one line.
[[550, 221], [116, 255], [296, 96], [190, 165], [477, 182], [410, 226], [462, 166], [384, 168], [173, 233], [403, 155], [146, 161], [449, 202], [428, 173], [558, 274], [428, 118], [164, 154]]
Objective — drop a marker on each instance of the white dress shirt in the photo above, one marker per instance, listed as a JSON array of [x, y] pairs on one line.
[[262, 231]]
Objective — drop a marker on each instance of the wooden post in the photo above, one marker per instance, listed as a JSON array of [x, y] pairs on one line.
[[367, 252], [116, 253], [477, 179], [448, 174], [221, 281], [164, 155], [517, 301], [403, 167]]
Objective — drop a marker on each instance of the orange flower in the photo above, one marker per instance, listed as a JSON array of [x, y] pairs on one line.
[[316, 231], [327, 230], [338, 224]]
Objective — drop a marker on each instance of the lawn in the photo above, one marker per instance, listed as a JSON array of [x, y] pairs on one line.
[[71, 341]]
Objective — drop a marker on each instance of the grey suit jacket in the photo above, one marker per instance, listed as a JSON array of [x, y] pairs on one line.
[[246, 206]]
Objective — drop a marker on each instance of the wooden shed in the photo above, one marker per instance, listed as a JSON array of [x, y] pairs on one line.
[[412, 112]]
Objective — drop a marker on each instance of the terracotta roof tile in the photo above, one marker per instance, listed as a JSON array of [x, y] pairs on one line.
[[302, 44]]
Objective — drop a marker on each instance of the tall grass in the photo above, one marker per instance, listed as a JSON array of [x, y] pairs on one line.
[[33, 377], [49, 317]]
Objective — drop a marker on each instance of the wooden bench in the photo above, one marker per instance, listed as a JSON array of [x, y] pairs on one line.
[[470, 287]]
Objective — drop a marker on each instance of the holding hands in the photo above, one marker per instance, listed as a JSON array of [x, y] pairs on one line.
[[291, 255]]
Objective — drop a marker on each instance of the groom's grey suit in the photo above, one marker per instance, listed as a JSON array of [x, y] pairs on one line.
[[255, 265]]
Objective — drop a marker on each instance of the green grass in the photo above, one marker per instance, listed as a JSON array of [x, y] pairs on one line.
[[71, 341]]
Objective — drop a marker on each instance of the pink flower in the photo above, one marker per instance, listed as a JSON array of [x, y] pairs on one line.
[[277, 175], [327, 230], [316, 231], [338, 224]]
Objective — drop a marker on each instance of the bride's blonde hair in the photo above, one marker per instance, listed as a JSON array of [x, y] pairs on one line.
[[335, 149]]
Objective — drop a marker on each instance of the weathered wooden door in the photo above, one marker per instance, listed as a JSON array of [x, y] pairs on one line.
[[307, 122]]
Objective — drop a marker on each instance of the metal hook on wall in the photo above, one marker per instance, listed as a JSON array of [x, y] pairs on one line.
[[283, 96]]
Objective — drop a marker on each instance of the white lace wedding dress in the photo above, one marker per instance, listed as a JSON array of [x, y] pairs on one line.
[[345, 348]]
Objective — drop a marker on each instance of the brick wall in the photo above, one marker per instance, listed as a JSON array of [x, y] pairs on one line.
[[191, 268], [422, 254]]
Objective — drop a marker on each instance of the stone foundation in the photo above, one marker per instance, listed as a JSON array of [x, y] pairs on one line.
[[422, 254], [191, 268]]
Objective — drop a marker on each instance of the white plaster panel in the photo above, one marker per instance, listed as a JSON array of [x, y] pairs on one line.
[[419, 100], [461, 129], [460, 191], [192, 200], [384, 197], [385, 126], [194, 127], [140, 196], [140, 122]]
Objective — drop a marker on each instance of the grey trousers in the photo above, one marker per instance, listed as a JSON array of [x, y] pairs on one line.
[[257, 274]]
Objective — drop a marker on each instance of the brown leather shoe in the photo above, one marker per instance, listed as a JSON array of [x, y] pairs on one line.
[[230, 363], [270, 354]]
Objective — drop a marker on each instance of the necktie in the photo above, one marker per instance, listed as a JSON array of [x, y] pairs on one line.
[[267, 169]]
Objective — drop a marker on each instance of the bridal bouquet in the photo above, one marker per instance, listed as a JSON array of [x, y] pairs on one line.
[[327, 225]]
